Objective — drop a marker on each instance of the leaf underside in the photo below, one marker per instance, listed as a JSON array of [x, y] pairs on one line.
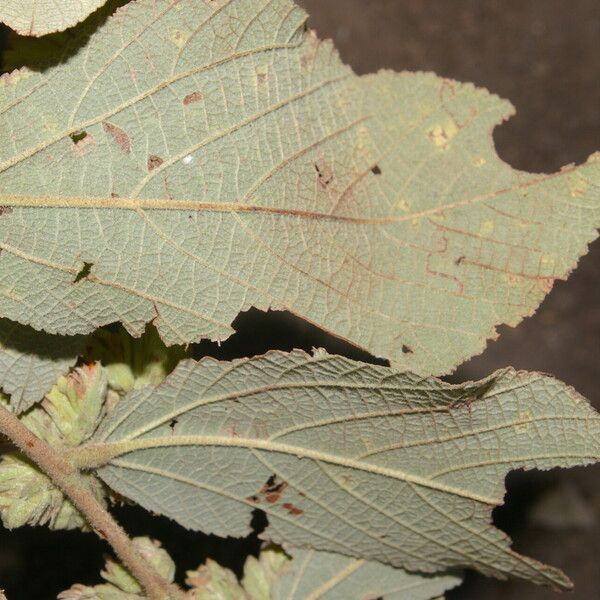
[[313, 575], [345, 457], [40, 17], [30, 362], [197, 158]]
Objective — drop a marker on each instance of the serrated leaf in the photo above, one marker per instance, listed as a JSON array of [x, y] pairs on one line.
[[344, 456], [313, 575], [30, 362], [197, 158], [40, 17]]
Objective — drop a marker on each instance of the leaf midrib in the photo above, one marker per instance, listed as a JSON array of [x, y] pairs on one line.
[[103, 454]]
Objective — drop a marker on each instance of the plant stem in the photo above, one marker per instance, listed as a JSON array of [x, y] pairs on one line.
[[67, 478]]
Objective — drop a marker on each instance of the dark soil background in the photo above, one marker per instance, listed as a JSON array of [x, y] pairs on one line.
[[544, 55]]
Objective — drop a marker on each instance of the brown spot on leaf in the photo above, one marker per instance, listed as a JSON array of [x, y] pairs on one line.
[[293, 510], [376, 170], [193, 97], [271, 491], [407, 349], [5, 210], [154, 162], [119, 136]]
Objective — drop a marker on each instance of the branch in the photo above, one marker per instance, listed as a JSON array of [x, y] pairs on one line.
[[67, 478]]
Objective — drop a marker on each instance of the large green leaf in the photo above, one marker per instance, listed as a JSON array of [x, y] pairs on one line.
[[344, 456], [30, 362], [39, 17], [197, 158], [313, 575]]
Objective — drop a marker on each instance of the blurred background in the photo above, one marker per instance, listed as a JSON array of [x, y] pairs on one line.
[[543, 55]]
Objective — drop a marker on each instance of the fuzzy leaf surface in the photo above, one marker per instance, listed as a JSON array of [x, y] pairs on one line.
[[343, 456], [313, 575], [195, 159], [40, 17], [30, 362]]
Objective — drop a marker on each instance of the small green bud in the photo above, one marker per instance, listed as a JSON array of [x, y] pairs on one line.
[[132, 363]]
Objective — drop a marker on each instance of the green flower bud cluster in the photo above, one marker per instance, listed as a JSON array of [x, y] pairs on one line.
[[68, 415], [27, 497], [132, 363], [72, 410]]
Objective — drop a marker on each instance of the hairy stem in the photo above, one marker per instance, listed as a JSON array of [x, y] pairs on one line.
[[67, 478]]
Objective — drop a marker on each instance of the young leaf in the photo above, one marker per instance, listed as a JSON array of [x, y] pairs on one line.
[[120, 585], [211, 581], [343, 456], [30, 362], [39, 17], [315, 575], [197, 158], [260, 574]]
